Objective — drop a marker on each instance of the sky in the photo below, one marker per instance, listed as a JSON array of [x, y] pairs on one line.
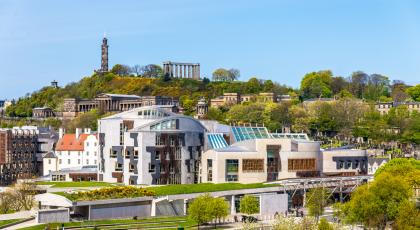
[[281, 40]]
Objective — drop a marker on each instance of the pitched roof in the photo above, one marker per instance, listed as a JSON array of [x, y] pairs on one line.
[[69, 142]]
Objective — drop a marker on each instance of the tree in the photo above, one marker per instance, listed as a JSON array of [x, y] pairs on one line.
[[324, 225], [408, 216], [7, 199], [338, 84], [414, 92], [316, 84], [215, 114], [378, 202], [249, 205], [136, 69], [199, 211], [25, 195], [316, 201], [268, 86], [219, 209], [151, 71], [253, 85], [121, 70], [222, 74], [358, 82]]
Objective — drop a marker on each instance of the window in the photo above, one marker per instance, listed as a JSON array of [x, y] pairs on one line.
[[87, 153], [68, 153], [136, 154], [253, 165], [157, 156], [87, 143], [95, 153], [152, 168], [96, 162], [95, 144], [232, 167], [87, 161], [209, 170], [118, 167], [49, 161], [78, 153], [308, 164], [340, 165], [78, 161], [113, 153], [131, 168], [68, 161], [59, 161]]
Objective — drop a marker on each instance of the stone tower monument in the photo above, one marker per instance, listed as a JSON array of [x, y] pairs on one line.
[[201, 109], [104, 56]]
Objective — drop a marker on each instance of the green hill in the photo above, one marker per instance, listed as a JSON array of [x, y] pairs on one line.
[[188, 91]]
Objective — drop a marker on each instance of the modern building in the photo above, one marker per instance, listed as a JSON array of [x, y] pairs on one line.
[[385, 107], [237, 98], [150, 145], [255, 155], [106, 102], [72, 150], [18, 149]]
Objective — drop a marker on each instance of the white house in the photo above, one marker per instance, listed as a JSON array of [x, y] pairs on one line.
[[72, 150]]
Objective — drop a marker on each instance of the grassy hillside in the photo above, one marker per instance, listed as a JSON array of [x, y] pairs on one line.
[[186, 89]]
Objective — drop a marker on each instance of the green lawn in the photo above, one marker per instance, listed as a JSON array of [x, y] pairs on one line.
[[198, 188], [60, 184], [142, 223], [4, 222]]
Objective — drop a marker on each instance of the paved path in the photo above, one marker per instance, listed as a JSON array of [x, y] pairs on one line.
[[17, 215], [23, 225]]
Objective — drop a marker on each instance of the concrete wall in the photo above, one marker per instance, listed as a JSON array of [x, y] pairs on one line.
[[53, 216], [120, 210], [271, 203]]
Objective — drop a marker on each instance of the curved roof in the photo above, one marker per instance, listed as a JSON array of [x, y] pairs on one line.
[[134, 113], [139, 128], [51, 199]]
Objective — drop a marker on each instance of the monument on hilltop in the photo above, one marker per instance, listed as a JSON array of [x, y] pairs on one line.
[[104, 56]]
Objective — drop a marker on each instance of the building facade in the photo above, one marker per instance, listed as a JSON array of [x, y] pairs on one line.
[[385, 107], [18, 149], [112, 103], [237, 98], [150, 145], [256, 156], [72, 150], [42, 112]]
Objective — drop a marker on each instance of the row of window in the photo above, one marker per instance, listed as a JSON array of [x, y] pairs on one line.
[[60, 161], [61, 153]]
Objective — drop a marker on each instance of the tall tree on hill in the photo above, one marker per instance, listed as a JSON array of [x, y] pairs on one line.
[[316, 84], [414, 92], [358, 82], [151, 71], [398, 91], [222, 74], [121, 70], [338, 84], [376, 87]]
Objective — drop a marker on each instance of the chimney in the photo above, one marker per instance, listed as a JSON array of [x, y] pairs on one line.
[[61, 132], [78, 132]]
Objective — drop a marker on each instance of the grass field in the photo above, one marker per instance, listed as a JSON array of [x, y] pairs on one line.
[[4, 222], [168, 222], [61, 184], [198, 188]]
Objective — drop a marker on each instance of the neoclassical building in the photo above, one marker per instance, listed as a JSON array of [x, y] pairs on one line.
[[112, 103]]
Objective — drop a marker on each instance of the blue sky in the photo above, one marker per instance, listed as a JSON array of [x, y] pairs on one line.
[[280, 40]]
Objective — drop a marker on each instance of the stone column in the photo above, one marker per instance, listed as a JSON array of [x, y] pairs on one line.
[[232, 205], [198, 71], [189, 71], [185, 71]]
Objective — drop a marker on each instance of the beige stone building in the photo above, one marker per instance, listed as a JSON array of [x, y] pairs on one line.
[[236, 98]]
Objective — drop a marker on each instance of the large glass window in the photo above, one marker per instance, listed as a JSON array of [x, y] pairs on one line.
[[232, 167]]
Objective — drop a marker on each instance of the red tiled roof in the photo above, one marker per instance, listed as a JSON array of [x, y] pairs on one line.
[[69, 142]]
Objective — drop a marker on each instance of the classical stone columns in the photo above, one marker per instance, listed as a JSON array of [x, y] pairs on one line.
[[182, 70]]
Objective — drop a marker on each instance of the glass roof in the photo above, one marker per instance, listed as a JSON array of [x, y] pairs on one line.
[[247, 133], [298, 136], [217, 141]]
